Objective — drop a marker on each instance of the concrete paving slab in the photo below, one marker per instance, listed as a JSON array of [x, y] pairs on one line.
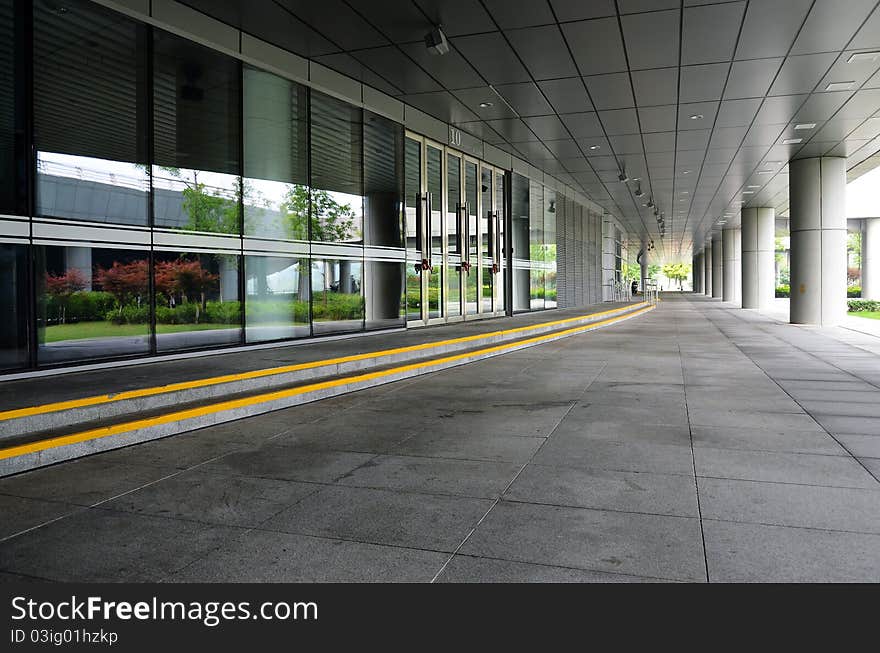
[[20, 514], [421, 521], [471, 446], [271, 557], [663, 547], [590, 453], [728, 437], [469, 478], [470, 569], [753, 553], [214, 499], [659, 494], [807, 469], [111, 547], [783, 504]]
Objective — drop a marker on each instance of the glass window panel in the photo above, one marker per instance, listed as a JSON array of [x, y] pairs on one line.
[[453, 236], [90, 114], [501, 278], [519, 222], [412, 193], [383, 165], [277, 298], [91, 303], [14, 305], [549, 248], [536, 246], [337, 178], [11, 49], [383, 294], [337, 301], [197, 302], [276, 194], [197, 137]]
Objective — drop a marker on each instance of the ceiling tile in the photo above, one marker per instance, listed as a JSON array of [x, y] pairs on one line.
[[397, 68], [801, 74], [543, 51], [547, 127], [770, 28], [583, 124], [703, 83], [492, 57], [658, 119], [519, 14], [752, 78], [736, 113], [596, 45], [526, 99], [473, 97], [567, 10], [652, 39], [710, 32], [567, 95], [620, 121], [611, 91], [831, 24], [451, 70], [655, 87]]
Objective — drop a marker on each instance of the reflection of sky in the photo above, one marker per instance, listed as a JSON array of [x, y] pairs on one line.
[[264, 193], [862, 196]]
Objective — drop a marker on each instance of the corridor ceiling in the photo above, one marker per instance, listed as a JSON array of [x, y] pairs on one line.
[[703, 101]]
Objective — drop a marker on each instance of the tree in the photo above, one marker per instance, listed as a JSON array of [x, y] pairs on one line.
[[653, 270], [331, 221], [186, 279], [677, 272]]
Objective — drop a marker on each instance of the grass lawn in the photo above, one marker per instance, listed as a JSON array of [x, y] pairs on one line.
[[84, 330], [871, 315]]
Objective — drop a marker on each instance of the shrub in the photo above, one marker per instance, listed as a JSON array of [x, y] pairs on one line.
[[130, 314], [337, 306], [783, 291], [222, 313], [860, 305], [854, 292]]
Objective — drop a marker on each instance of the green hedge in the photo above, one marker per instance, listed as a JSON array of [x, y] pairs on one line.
[[860, 305], [783, 291], [82, 306], [854, 292]]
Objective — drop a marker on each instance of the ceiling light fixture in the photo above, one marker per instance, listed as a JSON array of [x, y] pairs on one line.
[[436, 42], [697, 116], [801, 126], [486, 105], [623, 177], [792, 141], [863, 56], [686, 172], [839, 86], [594, 147]]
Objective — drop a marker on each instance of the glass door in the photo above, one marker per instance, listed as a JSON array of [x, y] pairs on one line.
[[471, 252], [454, 240], [434, 229], [414, 219]]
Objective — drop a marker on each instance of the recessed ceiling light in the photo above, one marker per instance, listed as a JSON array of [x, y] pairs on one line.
[[685, 172], [863, 56], [765, 172], [792, 141], [752, 186], [801, 126], [697, 116], [486, 105], [722, 222], [748, 192], [595, 147], [839, 86]]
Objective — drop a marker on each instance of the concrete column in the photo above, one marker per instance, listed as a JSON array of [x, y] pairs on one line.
[[701, 271], [717, 266], [871, 259], [817, 198], [644, 264], [758, 251], [707, 268], [695, 259], [732, 271]]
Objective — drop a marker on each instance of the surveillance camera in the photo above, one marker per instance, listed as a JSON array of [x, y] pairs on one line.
[[436, 42]]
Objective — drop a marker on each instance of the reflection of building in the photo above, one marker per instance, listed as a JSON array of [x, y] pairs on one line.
[[187, 196]]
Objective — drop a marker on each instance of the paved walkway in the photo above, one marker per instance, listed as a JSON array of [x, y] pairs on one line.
[[694, 443]]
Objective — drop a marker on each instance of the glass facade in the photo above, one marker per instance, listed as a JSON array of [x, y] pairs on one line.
[[206, 202]]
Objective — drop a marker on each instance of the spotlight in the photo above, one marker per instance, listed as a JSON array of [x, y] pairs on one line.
[[623, 177], [651, 203], [436, 42], [639, 192]]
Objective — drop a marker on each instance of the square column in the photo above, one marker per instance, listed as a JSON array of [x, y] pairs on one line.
[[758, 263], [731, 270], [817, 198], [717, 266]]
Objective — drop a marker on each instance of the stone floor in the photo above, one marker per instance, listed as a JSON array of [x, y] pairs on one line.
[[696, 443]]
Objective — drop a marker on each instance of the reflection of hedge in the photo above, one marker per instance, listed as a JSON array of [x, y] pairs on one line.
[[860, 305], [854, 292], [783, 291], [544, 293], [337, 306], [83, 306]]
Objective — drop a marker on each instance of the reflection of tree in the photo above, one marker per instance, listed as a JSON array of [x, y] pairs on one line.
[[677, 272], [127, 282], [60, 288], [207, 211], [185, 280], [332, 221]]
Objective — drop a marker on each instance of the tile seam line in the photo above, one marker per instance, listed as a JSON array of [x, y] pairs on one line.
[[213, 408], [284, 369]]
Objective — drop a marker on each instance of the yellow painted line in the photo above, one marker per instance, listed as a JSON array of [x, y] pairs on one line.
[[272, 371], [176, 416]]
